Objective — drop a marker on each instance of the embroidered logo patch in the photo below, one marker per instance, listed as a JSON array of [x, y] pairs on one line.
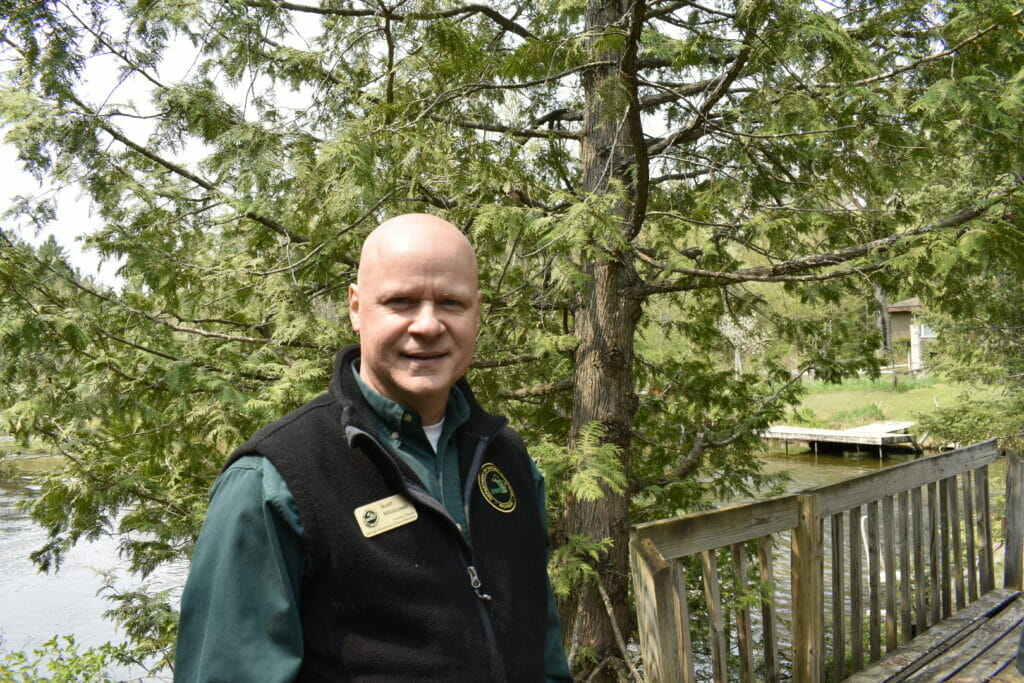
[[495, 487], [384, 515]]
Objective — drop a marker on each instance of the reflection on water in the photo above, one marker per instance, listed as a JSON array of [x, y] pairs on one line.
[[809, 470], [36, 606]]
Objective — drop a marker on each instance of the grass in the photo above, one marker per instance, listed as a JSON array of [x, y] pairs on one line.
[[886, 384], [864, 400]]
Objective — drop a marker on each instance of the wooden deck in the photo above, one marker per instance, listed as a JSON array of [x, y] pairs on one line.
[[978, 643], [891, 575]]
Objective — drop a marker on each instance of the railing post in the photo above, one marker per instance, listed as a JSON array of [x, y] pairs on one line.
[[808, 594], [660, 598], [1014, 525]]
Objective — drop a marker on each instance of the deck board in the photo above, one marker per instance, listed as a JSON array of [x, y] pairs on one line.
[[978, 643], [997, 659]]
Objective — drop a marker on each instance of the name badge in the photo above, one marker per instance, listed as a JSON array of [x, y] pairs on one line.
[[384, 515]]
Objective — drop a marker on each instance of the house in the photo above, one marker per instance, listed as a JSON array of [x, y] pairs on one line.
[[904, 324]]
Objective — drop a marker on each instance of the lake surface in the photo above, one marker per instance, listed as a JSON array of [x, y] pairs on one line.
[[36, 606]]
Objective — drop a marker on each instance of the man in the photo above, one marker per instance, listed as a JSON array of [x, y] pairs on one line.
[[390, 529]]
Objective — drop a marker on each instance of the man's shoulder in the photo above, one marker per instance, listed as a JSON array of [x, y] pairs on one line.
[[317, 408], [309, 423], [514, 438]]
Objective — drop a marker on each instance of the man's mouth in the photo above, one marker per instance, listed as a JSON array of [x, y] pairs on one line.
[[419, 356]]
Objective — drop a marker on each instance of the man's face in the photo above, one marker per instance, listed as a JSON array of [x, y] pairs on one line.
[[416, 308]]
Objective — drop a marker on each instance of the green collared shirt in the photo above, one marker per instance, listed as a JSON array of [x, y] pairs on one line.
[[240, 607], [402, 430]]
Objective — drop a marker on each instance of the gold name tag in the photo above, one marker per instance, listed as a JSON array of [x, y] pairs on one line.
[[385, 514]]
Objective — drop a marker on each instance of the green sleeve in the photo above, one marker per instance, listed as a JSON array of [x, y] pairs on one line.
[[239, 610], [556, 665]]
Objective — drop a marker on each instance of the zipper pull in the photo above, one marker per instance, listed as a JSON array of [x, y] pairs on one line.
[[474, 581]]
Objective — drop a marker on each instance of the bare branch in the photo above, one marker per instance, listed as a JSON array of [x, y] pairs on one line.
[[539, 390], [564, 114], [514, 131], [506, 362], [618, 632], [466, 10], [677, 176], [708, 10], [671, 92]]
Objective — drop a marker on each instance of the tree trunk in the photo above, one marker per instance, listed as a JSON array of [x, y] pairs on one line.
[[607, 315], [605, 324], [882, 317]]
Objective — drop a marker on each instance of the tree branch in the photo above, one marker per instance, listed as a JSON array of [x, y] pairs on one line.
[[514, 131], [564, 114], [641, 163], [182, 172], [796, 269], [539, 390], [506, 362], [701, 119], [618, 632], [924, 60], [467, 10]]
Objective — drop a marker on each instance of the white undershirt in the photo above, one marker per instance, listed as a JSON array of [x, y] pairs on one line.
[[433, 433]]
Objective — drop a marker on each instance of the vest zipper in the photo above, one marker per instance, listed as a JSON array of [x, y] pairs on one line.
[[497, 662], [485, 617], [474, 578], [474, 581]]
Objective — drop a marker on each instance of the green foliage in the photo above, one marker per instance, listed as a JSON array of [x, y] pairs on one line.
[[872, 412], [61, 661], [148, 622], [976, 311], [584, 472], [573, 563], [974, 419]]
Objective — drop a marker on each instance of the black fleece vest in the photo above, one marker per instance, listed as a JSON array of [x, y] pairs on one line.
[[404, 605]]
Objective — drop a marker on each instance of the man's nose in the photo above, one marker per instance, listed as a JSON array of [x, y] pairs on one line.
[[426, 323]]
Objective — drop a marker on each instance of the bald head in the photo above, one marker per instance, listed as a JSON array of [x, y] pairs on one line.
[[416, 308], [421, 234]]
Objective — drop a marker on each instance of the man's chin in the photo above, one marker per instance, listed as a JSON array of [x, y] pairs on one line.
[[425, 363], [426, 384]]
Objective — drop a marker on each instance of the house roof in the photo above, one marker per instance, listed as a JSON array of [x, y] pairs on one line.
[[906, 305]]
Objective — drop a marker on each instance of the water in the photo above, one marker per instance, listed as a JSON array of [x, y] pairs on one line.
[[35, 606], [809, 470]]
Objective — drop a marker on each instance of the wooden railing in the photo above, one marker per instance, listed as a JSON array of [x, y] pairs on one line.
[[873, 561]]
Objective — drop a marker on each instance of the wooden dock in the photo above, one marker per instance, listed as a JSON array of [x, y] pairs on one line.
[[878, 434]]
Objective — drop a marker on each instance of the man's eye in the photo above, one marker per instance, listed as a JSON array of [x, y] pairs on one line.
[[399, 301], [451, 303]]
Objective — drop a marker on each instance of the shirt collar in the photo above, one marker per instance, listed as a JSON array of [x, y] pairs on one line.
[[396, 417]]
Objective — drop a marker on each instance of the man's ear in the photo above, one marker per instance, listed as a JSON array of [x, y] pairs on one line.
[[353, 306]]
